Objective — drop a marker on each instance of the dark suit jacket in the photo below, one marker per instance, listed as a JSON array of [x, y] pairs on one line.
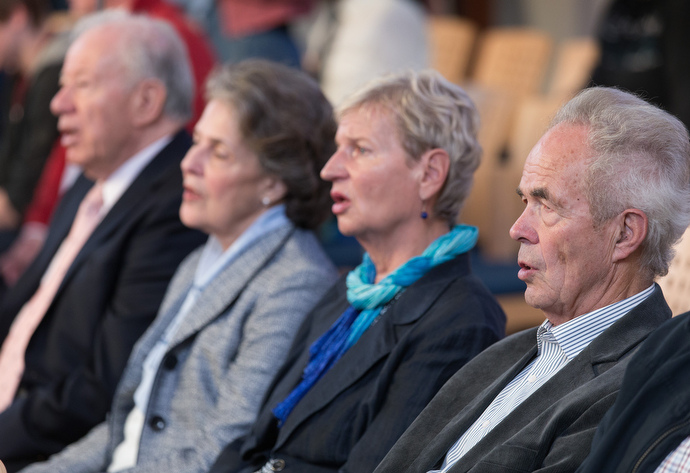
[[354, 414], [552, 430], [651, 416], [107, 299]]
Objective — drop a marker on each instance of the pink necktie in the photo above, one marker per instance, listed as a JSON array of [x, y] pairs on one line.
[[25, 323]]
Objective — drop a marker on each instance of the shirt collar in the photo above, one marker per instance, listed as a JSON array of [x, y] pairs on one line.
[[213, 259], [117, 183], [574, 335]]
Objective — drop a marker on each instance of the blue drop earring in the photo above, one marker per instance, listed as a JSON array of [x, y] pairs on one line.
[[424, 214]]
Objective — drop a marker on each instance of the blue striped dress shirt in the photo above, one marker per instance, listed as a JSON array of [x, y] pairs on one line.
[[556, 346]]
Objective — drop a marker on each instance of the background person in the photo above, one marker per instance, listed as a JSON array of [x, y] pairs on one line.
[[385, 338], [196, 378], [68, 325], [607, 194], [32, 53]]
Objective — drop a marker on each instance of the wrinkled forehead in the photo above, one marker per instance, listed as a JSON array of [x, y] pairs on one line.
[[560, 159], [96, 51]]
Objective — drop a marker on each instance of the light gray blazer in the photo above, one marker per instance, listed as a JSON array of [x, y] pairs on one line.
[[210, 384], [552, 430]]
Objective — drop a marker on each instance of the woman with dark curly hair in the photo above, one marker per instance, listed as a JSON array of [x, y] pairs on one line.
[[195, 380]]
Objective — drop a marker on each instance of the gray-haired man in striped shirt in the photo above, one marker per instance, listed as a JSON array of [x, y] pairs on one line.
[[607, 195]]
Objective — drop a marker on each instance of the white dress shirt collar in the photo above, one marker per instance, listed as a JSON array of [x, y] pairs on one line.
[[117, 183]]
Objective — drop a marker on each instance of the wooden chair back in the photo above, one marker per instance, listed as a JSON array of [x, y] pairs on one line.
[[575, 61], [451, 39], [513, 60]]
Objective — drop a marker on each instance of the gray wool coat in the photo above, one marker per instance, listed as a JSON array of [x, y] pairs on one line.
[[210, 384]]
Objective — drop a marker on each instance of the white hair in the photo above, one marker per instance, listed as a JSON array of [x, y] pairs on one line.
[[641, 160], [148, 48]]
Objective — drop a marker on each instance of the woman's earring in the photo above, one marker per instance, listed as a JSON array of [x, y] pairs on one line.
[[424, 215], [266, 201]]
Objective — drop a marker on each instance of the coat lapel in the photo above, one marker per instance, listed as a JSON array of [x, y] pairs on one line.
[[158, 171], [132, 374], [221, 292], [376, 343], [467, 415], [224, 289], [61, 224], [605, 351]]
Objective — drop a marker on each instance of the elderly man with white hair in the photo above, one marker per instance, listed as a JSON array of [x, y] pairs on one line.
[[68, 326], [607, 194]]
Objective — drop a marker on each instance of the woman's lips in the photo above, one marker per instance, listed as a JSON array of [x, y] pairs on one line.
[[189, 194], [340, 203]]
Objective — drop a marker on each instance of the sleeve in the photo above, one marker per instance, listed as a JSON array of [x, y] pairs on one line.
[[132, 281], [266, 337], [86, 456], [424, 370]]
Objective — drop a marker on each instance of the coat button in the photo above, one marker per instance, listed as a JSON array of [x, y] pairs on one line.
[[157, 423], [170, 362]]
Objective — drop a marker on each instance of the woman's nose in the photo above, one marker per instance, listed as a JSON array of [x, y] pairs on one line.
[[334, 168]]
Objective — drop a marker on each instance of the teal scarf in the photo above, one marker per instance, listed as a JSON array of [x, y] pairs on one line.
[[367, 299]]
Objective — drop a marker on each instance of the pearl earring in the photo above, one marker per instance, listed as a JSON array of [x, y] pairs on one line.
[[266, 201]]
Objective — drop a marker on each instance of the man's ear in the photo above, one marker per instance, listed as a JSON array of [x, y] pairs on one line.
[[148, 101], [435, 164], [632, 231]]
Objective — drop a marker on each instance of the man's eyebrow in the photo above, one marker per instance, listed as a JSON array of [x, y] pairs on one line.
[[540, 193]]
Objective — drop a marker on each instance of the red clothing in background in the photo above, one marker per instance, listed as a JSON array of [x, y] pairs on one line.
[[243, 17], [47, 190]]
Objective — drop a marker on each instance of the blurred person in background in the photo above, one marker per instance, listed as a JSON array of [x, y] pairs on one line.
[[385, 338], [354, 41], [68, 325], [196, 378], [199, 49], [242, 29], [32, 50], [643, 50]]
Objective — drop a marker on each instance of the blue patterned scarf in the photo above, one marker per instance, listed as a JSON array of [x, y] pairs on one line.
[[366, 301]]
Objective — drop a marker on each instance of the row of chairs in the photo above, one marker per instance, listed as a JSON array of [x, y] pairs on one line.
[[503, 70]]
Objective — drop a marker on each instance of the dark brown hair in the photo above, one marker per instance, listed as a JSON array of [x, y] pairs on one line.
[[286, 120]]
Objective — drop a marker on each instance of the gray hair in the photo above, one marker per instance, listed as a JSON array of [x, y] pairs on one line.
[[641, 160], [429, 112], [149, 48]]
